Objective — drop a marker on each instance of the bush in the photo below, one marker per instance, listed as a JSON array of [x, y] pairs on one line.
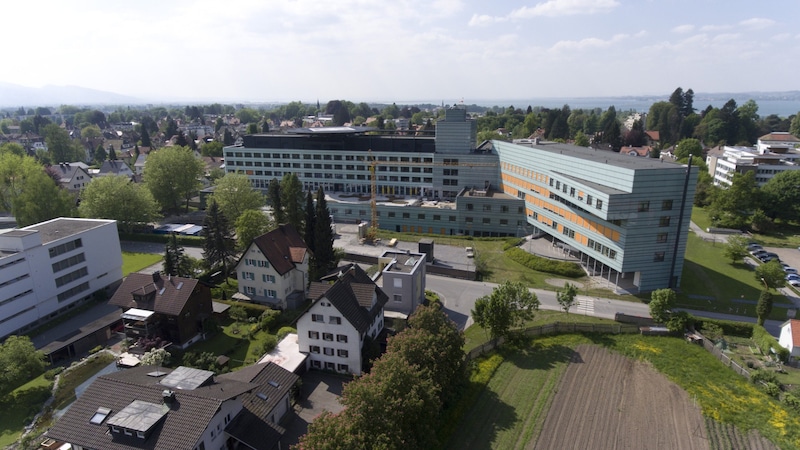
[[511, 243], [95, 349], [763, 376], [562, 268], [772, 389], [284, 331], [792, 400], [269, 344], [51, 374], [267, 319], [729, 328], [767, 343]]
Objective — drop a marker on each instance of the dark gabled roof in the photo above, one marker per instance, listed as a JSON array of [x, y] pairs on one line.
[[115, 166], [283, 247], [273, 383], [182, 426], [154, 293], [352, 295]]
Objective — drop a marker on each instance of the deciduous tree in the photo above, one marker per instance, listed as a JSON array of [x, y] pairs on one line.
[[509, 305], [116, 197], [771, 274], [20, 362], [172, 175], [662, 301], [40, 200], [764, 306], [566, 297], [234, 194], [250, 225], [735, 248]]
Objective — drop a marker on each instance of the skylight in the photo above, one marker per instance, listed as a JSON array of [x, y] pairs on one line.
[[100, 416], [261, 395]]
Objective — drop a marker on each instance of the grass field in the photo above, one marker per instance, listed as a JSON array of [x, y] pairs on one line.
[[134, 262], [707, 273], [232, 342], [517, 396], [18, 408]]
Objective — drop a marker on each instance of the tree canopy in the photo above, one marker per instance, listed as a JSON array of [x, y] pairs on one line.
[[116, 197], [661, 303], [566, 297], [235, 194], [293, 200], [250, 225], [172, 175], [509, 305], [771, 274], [219, 245], [20, 361]]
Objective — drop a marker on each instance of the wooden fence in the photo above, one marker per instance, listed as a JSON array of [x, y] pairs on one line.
[[716, 351], [556, 328]]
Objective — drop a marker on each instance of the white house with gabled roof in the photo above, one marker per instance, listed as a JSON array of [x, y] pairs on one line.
[[347, 309]]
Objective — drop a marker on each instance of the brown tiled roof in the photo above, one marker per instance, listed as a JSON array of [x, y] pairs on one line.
[[283, 248], [779, 136], [161, 295], [352, 296], [274, 382], [653, 135], [795, 327]]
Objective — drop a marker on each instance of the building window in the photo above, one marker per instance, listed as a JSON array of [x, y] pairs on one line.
[[341, 338], [342, 353], [314, 349], [406, 215], [398, 298], [313, 334], [248, 276], [599, 204], [316, 364], [487, 221], [588, 199], [421, 216], [661, 238], [664, 221], [271, 293], [328, 351], [317, 318], [666, 205], [327, 336], [250, 290], [268, 278], [343, 368], [503, 222], [330, 366], [487, 207], [644, 206], [658, 256], [336, 320], [469, 207]]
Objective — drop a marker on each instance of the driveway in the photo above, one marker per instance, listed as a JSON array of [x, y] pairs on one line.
[[319, 392]]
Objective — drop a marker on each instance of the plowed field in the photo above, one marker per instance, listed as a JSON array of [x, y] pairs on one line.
[[608, 401]]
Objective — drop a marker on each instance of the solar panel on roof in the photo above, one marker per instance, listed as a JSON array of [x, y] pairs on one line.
[[187, 378]]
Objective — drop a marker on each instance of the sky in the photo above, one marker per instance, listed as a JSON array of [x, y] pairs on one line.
[[401, 50]]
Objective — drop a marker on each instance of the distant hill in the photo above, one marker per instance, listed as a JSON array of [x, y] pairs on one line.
[[16, 96]]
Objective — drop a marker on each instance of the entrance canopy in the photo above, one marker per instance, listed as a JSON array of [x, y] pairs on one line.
[[137, 314]]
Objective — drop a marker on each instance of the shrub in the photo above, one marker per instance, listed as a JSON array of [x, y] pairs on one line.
[[51, 374], [267, 319], [268, 345], [712, 331], [284, 331], [792, 400], [563, 268], [511, 243], [767, 343], [763, 376], [729, 328], [772, 389], [95, 349]]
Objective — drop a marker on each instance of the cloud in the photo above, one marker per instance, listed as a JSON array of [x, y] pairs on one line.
[[757, 23], [590, 43], [550, 8], [682, 29], [707, 28]]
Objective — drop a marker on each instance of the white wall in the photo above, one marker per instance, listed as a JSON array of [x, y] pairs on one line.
[[353, 345]]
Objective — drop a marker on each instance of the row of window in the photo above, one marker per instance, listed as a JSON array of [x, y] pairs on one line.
[[20, 295], [14, 280], [11, 263], [72, 291], [488, 221], [256, 262], [65, 247], [338, 157], [270, 293], [336, 320], [563, 188], [72, 276], [330, 366], [644, 206], [266, 278], [328, 351], [488, 207], [602, 249], [68, 262], [327, 336]]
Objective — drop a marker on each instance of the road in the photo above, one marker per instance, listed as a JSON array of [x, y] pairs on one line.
[[458, 297]]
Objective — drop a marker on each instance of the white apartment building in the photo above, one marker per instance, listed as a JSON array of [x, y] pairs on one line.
[[48, 268], [343, 314], [777, 141], [737, 159], [274, 269]]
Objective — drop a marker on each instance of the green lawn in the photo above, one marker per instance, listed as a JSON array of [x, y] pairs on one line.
[[509, 412], [233, 342], [75, 376], [134, 262], [18, 408], [707, 273]]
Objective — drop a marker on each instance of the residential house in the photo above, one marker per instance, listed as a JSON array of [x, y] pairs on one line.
[[172, 308], [777, 142], [116, 167], [346, 310], [274, 269], [49, 268], [138, 166], [159, 408], [73, 176], [402, 278], [653, 138], [790, 337]]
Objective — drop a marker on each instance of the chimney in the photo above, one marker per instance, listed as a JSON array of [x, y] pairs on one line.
[[156, 276], [168, 396]]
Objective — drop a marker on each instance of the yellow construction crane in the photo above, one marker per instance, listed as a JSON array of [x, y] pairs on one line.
[[373, 201]]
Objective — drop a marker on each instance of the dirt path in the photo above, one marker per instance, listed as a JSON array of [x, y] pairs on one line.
[[607, 401]]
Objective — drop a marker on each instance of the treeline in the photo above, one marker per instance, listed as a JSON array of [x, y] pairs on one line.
[[399, 404]]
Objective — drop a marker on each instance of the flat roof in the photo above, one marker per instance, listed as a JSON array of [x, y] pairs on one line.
[[286, 354], [63, 227], [330, 130], [604, 156]]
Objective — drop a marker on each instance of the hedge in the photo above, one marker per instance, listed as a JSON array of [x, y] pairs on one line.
[[563, 268], [729, 327], [766, 343]]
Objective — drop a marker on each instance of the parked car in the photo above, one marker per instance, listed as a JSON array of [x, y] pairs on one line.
[[753, 246], [792, 276], [758, 253], [470, 252], [795, 283]]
